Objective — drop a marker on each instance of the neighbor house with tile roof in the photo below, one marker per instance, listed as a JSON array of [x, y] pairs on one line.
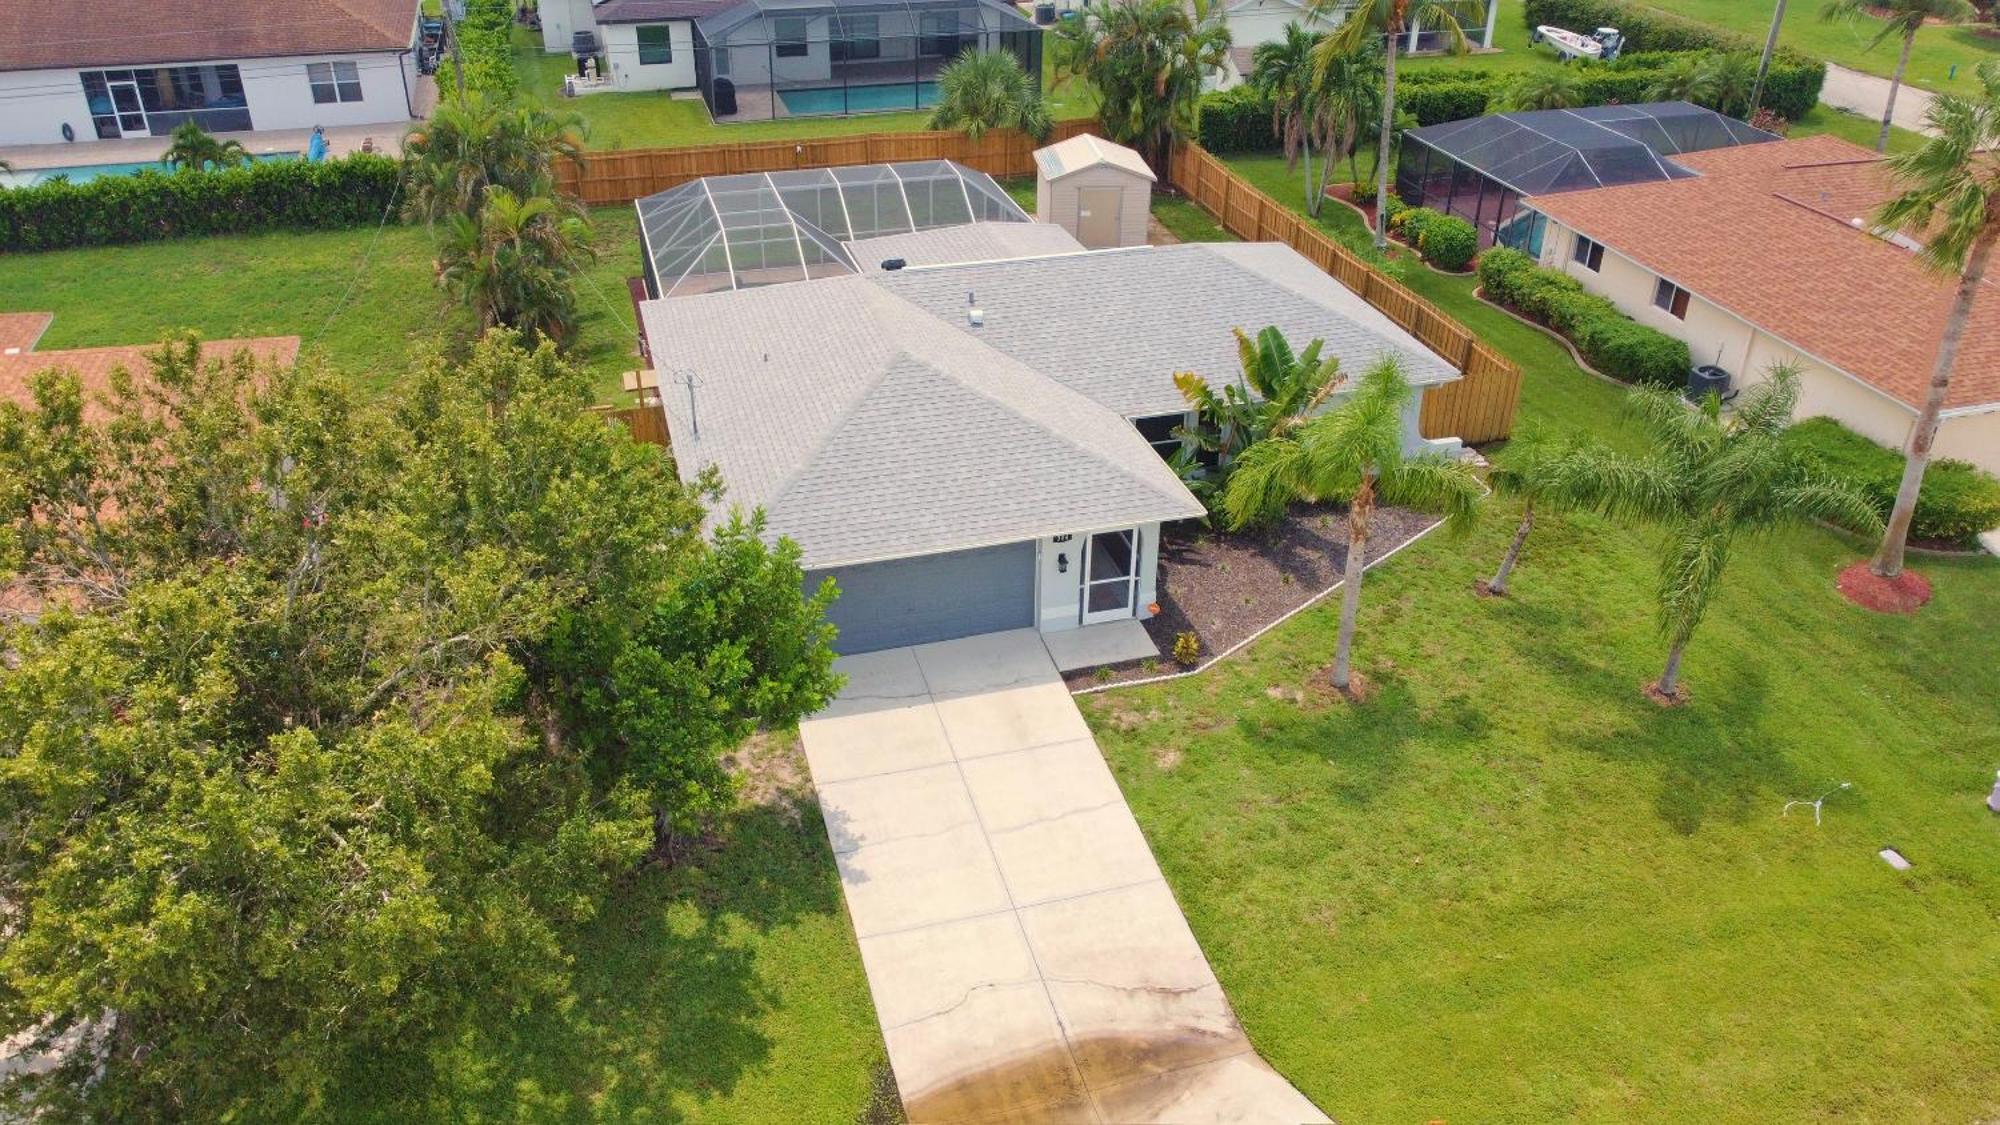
[[1767, 255], [89, 70]]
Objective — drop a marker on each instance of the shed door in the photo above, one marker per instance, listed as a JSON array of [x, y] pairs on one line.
[[1097, 216], [932, 598]]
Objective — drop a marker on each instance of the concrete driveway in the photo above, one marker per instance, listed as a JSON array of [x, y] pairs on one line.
[[1027, 960]]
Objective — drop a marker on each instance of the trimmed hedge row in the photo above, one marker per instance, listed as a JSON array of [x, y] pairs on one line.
[[275, 195], [1792, 88], [1957, 500], [1235, 120], [485, 39], [1611, 341]]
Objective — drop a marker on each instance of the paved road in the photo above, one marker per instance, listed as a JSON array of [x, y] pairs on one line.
[[1866, 94], [1027, 960]]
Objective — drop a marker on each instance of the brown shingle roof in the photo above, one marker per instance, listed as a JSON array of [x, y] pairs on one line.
[[36, 34], [1766, 232]]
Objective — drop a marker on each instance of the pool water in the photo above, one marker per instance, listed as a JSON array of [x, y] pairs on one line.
[[860, 99], [83, 173]]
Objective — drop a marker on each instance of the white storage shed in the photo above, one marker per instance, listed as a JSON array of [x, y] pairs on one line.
[[1098, 191]]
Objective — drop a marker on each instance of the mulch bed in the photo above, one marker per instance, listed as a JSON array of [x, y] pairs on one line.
[[1224, 588], [1905, 593]]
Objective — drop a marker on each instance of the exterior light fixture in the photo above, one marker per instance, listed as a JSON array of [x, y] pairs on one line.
[[1062, 564]]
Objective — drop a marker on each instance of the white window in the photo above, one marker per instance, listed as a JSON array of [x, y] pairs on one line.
[[790, 33], [1672, 298], [334, 82], [1588, 254]]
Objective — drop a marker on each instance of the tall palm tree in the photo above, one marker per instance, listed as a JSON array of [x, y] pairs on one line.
[[1764, 60], [514, 262], [1709, 480], [1949, 189], [1900, 17], [1283, 72], [1387, 21], [1147, 60], [193, 148], [1546, 89], [984, 90], [1349, 87], [1353, 452], [469, 146], [1553, 475]]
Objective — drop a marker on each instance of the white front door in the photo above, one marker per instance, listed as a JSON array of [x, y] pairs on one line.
[[1110, 576]]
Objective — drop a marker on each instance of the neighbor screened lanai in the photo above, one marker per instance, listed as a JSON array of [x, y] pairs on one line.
[[1480, 168], [736, 232], [798, 58]]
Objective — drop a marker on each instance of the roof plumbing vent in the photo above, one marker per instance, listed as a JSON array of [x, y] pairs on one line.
[[891, 265], [974, 315]]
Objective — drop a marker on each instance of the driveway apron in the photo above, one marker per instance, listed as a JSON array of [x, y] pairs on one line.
[[1027, 960]]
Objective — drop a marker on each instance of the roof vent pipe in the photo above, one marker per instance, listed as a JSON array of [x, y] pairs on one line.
[[974, 315], [891, 265]]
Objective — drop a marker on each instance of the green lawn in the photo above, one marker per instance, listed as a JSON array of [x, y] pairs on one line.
[[1938, 48], [661, 120], [1508, 888], [299, 284], [725, 989]]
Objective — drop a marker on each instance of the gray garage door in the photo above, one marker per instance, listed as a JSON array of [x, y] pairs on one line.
[[933, 598]]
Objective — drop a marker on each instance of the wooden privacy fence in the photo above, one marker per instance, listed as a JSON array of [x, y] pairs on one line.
[[1478, 407], [621, 177], [646, 423]]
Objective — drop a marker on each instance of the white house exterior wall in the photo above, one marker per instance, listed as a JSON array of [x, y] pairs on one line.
[[621, 47], [40, 102], [1057, 591], [1263, 21], [1715, 335], [561, 19]]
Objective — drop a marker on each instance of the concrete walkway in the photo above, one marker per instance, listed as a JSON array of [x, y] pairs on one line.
[[1027, 960], [1866, 94]]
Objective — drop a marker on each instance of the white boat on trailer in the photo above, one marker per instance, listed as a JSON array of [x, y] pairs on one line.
[[1569, 44]]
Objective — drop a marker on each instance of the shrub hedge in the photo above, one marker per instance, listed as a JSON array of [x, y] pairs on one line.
[[1957, 501], [1445, 241], [1792, 87], [277, 195], [1609, 340]]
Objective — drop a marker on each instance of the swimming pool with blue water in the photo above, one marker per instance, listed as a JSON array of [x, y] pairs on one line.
[[84, 173], [827, 100]]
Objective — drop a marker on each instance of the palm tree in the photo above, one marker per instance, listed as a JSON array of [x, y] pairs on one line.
[[1282, 71], [1709, 480], [514, 262], [1679, 81], [1546, 89], [1147, 60], [1725, 83], [1353, 452], [1350, 99], [1387, 21], [1900, 17], [984, 90], [1553, 475], [1950, 189], [194, 148], [468, 146]]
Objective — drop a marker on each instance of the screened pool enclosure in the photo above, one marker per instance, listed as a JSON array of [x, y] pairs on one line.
[[763, 59], [737, 232], [1480, 168]]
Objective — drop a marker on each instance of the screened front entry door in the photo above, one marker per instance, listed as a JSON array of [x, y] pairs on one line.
[[1110, 576], [1097, 216]]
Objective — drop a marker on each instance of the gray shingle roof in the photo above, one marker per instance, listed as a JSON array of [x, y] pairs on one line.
[[867, 431], [969, 242], [1116, 324], [871, 421]]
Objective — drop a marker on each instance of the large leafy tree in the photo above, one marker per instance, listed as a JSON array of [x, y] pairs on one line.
[[314, 750], [1950, 190], [513, 263], [193, 148], [1353, 453], [469, 146], [1368, 22], [1709, 480], [1900, 19], [1147, 60], [983, 90]]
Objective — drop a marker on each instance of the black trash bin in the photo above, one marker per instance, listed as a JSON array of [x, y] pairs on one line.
[[725, 98], [1045, 12]]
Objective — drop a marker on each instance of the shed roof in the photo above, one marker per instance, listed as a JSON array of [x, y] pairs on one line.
[[88, 33], [1542, 151], [1087, 150], [1769, 233]]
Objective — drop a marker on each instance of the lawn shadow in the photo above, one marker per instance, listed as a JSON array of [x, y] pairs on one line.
[[1366, 743]]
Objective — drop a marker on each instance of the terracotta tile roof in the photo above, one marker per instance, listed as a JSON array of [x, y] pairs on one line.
[[1766, 232], [89, 33], [19, 331], [93, 366]]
